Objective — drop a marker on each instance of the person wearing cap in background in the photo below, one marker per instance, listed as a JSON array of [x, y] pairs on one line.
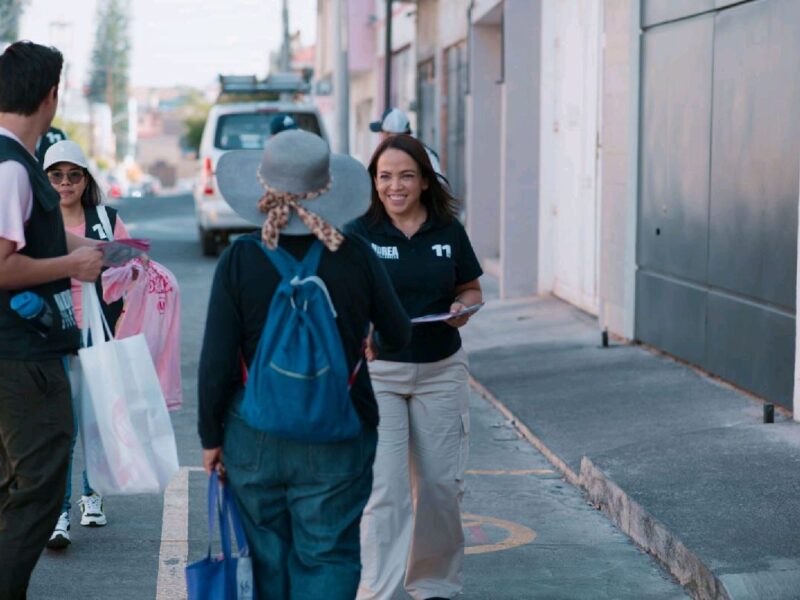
[[300, 502], [393, 122], [85, 216], [38, 256], [281, 122]]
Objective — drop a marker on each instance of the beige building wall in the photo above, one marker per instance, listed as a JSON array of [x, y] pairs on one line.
[[619, 143], [453, 18], [427, 29], [362, 112], [503, 149], [323, 59], [483, 143], [509, 106]]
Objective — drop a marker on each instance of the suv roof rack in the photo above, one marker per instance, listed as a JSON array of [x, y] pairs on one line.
[[276, 83]]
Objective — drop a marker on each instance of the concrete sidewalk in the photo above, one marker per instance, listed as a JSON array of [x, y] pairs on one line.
[[680, 462]]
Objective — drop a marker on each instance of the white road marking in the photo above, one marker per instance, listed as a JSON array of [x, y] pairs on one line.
[[174, 552], [510, 471]]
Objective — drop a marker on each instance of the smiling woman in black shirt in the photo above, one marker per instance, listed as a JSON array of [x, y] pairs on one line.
[[412, 522]]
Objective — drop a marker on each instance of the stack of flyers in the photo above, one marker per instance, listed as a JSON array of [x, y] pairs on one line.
[[118, 252], [445, 316]]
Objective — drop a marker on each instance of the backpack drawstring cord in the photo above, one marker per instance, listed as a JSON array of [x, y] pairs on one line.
[[296, 281]]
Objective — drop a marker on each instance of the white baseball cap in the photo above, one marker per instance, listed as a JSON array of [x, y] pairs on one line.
[[393, 121], [65, 151]]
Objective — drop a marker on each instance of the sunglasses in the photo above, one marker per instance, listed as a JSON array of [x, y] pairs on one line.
[[74, 176]]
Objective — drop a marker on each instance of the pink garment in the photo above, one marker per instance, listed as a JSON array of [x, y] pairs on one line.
[[152, 307], [120, 233]]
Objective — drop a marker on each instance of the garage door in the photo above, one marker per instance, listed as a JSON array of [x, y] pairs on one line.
[[719, 176]]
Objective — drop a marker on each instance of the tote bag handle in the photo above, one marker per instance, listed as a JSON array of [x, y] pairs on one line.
[[222, 505], [94, 321]]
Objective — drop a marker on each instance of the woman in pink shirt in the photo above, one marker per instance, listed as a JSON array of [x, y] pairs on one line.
[[84, 215]]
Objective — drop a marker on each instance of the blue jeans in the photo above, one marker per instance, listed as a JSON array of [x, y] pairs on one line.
[[301, 507], [87, 489]]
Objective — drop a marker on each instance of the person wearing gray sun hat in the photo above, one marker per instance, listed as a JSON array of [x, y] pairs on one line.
[[298, 193], [302, 187]]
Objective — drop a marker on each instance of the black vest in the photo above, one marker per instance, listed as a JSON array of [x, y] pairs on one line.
[[94, 230], [44, 238]]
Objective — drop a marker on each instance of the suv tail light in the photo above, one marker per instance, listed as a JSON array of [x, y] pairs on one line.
[[208, 177]]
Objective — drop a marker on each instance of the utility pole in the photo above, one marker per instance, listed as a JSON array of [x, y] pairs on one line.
[[387, 59], [341, 86], [285, 49]]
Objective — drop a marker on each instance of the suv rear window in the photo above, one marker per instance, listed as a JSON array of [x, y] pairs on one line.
[[250, 130]]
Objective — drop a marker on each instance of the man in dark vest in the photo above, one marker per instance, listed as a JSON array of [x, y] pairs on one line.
[[36, 255]]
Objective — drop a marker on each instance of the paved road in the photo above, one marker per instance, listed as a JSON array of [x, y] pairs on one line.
[[529, 533]]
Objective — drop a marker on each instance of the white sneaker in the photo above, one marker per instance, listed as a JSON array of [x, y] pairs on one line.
[[92, 511], [60, 536]]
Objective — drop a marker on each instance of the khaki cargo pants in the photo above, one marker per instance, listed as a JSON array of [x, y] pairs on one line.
[[412, 522]]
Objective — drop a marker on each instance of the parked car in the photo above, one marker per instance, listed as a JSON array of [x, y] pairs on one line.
[[233, 126]]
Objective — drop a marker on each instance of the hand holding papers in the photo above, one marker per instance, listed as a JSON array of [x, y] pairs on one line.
[[119, 252], [446, 316]]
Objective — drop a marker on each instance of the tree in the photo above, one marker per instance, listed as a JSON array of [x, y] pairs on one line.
[[10, 12], [193, 133], [108, 76], [194, 111]]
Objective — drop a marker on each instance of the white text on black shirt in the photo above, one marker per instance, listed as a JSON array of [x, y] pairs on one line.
[[386, 251]]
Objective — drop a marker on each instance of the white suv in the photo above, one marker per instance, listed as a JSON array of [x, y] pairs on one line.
[[233, 126]]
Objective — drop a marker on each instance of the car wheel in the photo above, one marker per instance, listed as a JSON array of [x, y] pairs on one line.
[[208, 242]]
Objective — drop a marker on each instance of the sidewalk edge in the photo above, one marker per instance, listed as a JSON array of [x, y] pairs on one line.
[[650, 534], [554, 459], [641, 527]]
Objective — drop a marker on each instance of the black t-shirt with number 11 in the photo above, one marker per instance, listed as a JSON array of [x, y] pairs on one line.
[[425, 270]]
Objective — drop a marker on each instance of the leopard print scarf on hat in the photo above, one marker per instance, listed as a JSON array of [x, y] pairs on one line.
[[278, 206]]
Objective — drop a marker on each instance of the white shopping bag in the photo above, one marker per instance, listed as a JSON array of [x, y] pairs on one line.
[[128, 441]]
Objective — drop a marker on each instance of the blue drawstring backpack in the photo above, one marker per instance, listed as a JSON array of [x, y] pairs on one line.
[[297, 385]]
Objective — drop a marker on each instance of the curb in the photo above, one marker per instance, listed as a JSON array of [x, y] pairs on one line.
[[554, 459], [631, 518], [650, 534]]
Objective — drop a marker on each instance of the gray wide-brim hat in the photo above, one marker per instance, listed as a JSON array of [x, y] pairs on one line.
[[300, 163]]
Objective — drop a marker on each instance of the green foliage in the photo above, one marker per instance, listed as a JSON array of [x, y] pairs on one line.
[[10, 12], [109, 72], [194, 122], [194, 132]]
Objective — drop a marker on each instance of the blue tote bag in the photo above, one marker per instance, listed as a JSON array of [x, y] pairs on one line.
[[226, 576]]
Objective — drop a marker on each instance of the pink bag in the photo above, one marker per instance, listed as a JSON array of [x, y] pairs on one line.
[[152, 307]]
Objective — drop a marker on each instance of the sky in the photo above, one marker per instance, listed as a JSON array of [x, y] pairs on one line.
[[186, 42]]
